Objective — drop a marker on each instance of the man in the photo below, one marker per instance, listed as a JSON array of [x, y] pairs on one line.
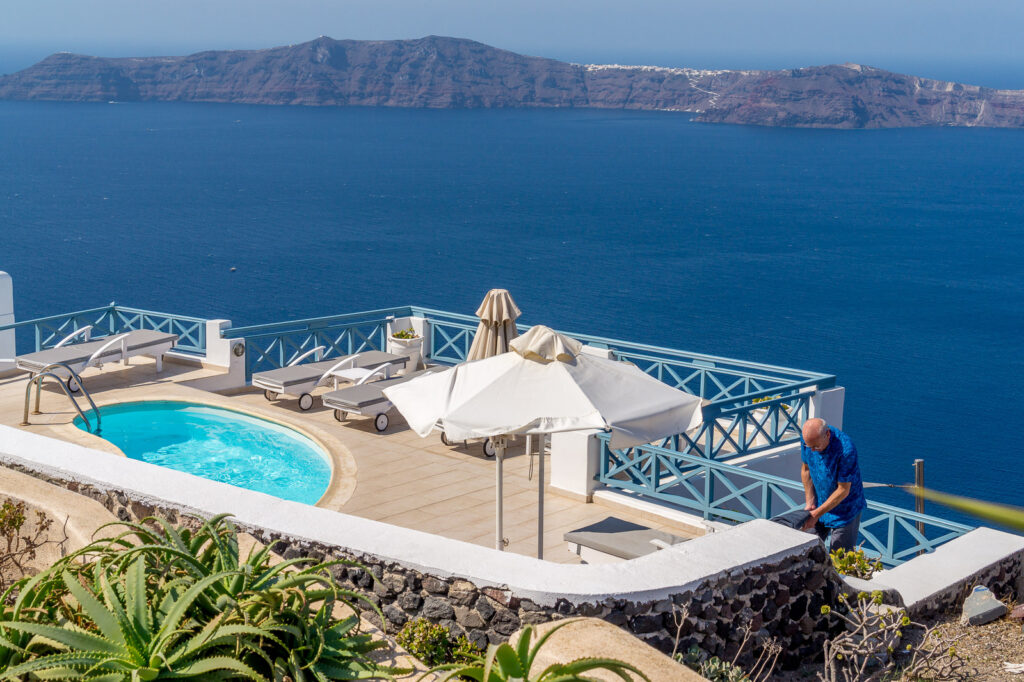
[[832, 484]]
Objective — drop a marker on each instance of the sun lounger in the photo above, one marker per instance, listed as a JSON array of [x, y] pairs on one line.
[[93, 353], [614, 540], [300, 379], [368, 398]]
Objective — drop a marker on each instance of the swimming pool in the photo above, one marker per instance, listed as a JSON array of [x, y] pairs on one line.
[[219, 444]]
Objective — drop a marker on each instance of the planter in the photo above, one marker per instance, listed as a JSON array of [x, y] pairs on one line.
[[410, 348]]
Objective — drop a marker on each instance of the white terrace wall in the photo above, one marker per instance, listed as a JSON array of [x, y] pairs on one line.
[[760, 573], [771, 577], [7, 350]]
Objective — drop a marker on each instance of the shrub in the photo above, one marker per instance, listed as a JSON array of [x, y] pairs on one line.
[[854, 563], [18, 546], [505, 663], [409, 333], [434, 645], [164, 601]]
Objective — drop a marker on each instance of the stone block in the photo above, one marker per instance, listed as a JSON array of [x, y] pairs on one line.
[[462, 593], [436, 608], [484, 607], [981, 606], [468, 618], [410, 601], [434, 585], [504, 622], [395, 615]]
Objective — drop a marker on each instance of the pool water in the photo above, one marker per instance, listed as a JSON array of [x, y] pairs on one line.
[[219, 444]]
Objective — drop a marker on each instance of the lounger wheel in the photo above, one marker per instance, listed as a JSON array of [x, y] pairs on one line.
[[444, 439], [340, 415], [380, 422], [489, 449], [305, 402], [270, 395], [73, 385]]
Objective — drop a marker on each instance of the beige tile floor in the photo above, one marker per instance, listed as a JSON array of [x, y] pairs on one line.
[[395, 477]]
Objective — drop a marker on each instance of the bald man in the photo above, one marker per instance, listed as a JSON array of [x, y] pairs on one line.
[[832, 484]]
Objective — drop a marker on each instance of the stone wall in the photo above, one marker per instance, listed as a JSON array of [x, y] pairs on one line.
[[779, 599]]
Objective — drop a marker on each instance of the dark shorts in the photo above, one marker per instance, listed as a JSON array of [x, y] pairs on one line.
[[844, 536]]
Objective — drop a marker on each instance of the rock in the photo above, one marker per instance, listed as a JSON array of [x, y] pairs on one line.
[[1018, 612], [504, 622], [395, 615], [410, 601], [468, 618], [462, 593], [981, 606], [435, 586], [484, 607], [436, 608]]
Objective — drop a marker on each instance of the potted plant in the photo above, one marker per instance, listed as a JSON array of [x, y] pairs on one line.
[[408, 343]]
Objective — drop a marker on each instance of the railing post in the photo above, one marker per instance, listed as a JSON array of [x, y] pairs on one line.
[[918, 500]]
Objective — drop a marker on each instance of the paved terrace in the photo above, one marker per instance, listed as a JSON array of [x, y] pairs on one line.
[[395, 477]]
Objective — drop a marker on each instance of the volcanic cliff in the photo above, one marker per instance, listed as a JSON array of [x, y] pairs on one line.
[[438, 72]]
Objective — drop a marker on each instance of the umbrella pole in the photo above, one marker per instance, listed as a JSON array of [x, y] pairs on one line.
[[499, 448], [540, 499]]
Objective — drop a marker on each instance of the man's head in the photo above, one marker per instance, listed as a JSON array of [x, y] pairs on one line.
[[816, 434]]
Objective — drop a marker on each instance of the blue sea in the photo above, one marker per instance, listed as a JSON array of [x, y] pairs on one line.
[[893, 259]]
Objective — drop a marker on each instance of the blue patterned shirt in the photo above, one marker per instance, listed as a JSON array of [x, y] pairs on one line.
[[837, 463]]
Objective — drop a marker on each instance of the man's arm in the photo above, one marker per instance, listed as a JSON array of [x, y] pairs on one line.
[[805, 476], [841, 491]]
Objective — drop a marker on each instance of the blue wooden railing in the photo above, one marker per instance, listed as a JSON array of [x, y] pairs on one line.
[[722, 491], [269, 346], [46, 332]]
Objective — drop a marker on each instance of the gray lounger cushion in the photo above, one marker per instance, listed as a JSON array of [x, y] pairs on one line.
[[138, 340], [621, 538], [310, 371], [355, 398]]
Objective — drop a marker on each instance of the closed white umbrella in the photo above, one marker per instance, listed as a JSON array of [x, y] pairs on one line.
[[544, 385], [498, 314]]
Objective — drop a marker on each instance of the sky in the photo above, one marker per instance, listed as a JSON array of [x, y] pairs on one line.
[[975, 41]]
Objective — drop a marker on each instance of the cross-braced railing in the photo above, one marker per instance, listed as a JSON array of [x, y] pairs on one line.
[[722, 491], [46, 332], [276, 345]]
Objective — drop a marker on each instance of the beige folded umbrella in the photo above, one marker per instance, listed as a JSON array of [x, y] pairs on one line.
[[498, 314]]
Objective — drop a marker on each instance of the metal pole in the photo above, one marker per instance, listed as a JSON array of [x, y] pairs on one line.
[[918, 485], [499, 448], [540, 503]]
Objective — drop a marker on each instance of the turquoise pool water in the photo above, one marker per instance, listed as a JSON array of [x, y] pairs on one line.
[[221, 445]]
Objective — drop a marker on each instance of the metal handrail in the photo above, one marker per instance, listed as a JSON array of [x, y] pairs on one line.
[[37, 379]]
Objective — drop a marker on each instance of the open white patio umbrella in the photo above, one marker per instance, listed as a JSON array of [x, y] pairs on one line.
[[544, 385], [498, 314]]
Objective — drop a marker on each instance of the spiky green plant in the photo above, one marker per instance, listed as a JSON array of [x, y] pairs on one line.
[[164, 602], [507, 663]]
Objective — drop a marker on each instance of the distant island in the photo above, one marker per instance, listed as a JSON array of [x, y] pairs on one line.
[[437, 72]]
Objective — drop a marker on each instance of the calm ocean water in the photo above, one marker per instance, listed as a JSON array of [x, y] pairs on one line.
[[893, 259]]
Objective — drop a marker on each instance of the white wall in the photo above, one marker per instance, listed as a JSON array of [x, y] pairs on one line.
[[650, 578], [7, 350]]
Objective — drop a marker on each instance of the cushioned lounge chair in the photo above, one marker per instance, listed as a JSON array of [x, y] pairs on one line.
[[300, 379], [93, 353], [613, 539], [368, 398]]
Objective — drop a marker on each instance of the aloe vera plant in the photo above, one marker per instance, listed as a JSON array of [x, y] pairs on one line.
[[507, 663], [165, 602]]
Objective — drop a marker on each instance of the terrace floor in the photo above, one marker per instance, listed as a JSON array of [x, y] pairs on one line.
[[395, 477]]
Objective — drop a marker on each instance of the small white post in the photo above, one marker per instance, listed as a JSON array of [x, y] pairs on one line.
[[499, 449], [7, 346], [540, 499]]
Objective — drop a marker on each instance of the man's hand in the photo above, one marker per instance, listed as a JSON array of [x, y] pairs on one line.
[[812, 520]]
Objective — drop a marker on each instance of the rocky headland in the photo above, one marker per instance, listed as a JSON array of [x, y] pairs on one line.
[[437, 72]]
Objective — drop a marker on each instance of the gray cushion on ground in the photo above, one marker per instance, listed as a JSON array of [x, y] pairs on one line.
[[621, 538], [310, 371], [137, 341], [364, 395]]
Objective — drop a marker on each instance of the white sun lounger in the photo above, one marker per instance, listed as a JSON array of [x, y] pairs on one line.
[[91, 353], [300, 379], [368, 398]]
